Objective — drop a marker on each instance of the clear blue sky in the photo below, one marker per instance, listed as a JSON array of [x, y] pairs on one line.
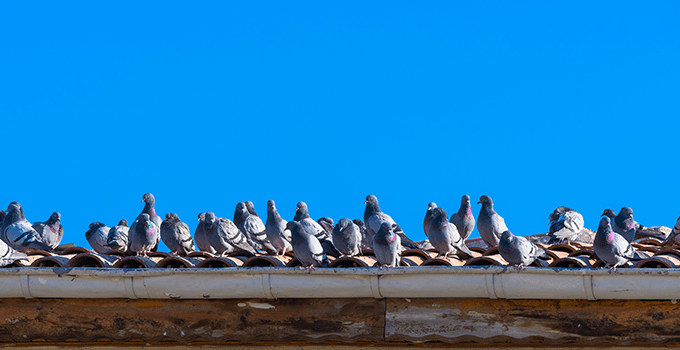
[[537, 104]]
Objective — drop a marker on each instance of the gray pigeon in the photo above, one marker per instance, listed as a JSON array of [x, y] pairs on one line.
[[97, 235], [176, 235], [387, 246], [18, 233], [200, 237], [313, 227], [611, 247], [306, 246], [144, 235], [328, 224], [150, 208], [444, 236], [428, 217], [276, 231], [225, 237], [118, 236], [489, 224], [347, 237], [366, 240], [463, 219], [518, 251], [565, 225], [253, 227], [8, 255], [51, 231], [374, 217]]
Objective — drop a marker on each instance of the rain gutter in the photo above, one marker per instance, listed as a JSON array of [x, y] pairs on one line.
[[492, 282]]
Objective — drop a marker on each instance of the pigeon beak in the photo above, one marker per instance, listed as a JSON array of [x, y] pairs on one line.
[[142, 200], [365, 202], [480, 202]]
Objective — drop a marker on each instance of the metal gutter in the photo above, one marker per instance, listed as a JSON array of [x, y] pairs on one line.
[[493, 282]]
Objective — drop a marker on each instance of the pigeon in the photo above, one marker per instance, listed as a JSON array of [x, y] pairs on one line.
[[463, 219], [374, 217], [366, 240], [150, 208], [225, 237], [97, 236], [489, 224], [518, 251], [276, 231], [444, 236], [145, 235], [18, 233], [673, 236], [565, 225], [176, 235], [327, 223], [200, 237], [387, 246], [253, 228], [428, 217], [611, 247], [306, 246], [347, 237], [118, 236], [313, 227], [51, 230]]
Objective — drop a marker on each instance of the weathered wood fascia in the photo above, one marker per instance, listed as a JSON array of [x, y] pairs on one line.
[[493, 282]]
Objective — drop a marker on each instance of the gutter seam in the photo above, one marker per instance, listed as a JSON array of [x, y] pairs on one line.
[[267, 286], [489, 284], [375, 287], [25, 290], [588, 286]]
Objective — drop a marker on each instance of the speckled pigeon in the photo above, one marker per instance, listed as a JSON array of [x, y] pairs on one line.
[[428, 217], [118, 236], [489, 224], [276, 231], [253, 228], [51, 232], [313, 227], [18, 233], [444, 236], [387, 246], [565, 225], [306, 246], [347, 237], [463, 219], [518, 251], [97, 235], [225, 237], [176, 235], [611, 247], [374, 217], [200, 237]]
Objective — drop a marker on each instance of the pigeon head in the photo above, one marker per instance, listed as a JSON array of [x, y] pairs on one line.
[[15, 212], [486, 201], [201, 217], [148, 198], [209, 218], [604, 230], [296, 229], [95, 225], [144, 217], [301, 211], [251, 208], [371, 199], [625, 218], [56, 216], [609, 213], [146, 224], [123, 223], [465, 206], [327, 223], [431, 205], [343, 223], [507, 235], [386, 232], [465, 199], [171, 216], [372, 207], [439, 217]]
